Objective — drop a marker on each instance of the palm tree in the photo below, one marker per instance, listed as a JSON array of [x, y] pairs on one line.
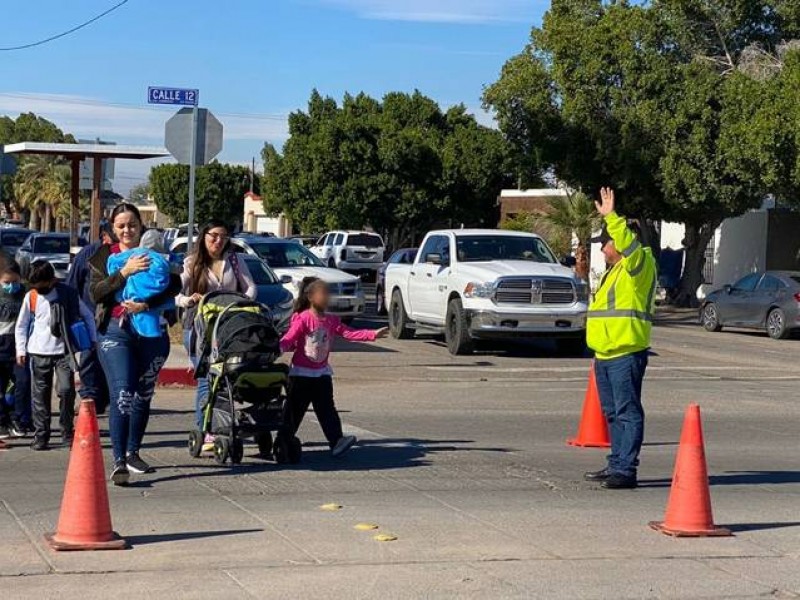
[[42, 186], [575, 217]]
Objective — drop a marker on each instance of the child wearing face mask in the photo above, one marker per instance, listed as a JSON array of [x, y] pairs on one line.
[[14, 421], [46, 343]]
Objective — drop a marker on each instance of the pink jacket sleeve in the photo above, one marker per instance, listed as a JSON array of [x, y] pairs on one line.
[[354, 335], [297, 330]]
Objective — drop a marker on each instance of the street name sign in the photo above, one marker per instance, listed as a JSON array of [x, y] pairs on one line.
[[167, 95]]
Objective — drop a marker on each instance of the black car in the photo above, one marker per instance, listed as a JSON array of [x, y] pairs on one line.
[[11, 238], [404, 256]]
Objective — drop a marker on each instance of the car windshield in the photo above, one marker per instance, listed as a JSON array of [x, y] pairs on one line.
[[14, 238], [368, 240], [51, 245], [484, 248], [262, 275], [285, 254]]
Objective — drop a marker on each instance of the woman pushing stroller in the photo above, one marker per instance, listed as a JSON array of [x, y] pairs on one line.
[[311, 336]]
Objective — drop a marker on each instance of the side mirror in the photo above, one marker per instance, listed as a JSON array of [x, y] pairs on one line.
[[728, 289], [569, 261], [286, 279], [433, 259]]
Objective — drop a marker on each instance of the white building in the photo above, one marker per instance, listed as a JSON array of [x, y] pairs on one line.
[[256, 220]]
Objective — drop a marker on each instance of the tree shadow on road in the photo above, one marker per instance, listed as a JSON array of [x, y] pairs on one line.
[[156, 538]]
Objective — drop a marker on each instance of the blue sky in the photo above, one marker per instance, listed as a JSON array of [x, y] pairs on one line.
[[254, 61]]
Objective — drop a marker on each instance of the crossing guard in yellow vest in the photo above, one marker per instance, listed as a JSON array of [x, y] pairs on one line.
[[618, 330]]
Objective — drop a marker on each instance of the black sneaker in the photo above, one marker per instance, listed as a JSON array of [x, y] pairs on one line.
[[5, 432], [343, 445], [617, 481], [120, 474], [600, 475], [39, 444], [137, 465]]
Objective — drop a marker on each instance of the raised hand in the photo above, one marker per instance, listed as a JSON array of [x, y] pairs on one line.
[[606, 204]]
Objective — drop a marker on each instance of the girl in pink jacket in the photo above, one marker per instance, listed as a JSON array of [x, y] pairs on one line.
[[310, 337]]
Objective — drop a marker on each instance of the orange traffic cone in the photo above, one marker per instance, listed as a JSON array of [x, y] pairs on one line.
[[593, 428], [689, 506], [85, 519]]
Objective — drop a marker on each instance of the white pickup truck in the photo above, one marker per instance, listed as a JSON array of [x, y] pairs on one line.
[[487, 284]]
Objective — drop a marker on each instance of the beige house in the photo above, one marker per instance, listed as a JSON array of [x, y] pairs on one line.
[[256, 220]]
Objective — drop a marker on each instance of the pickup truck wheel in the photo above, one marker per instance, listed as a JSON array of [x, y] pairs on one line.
[[456, 330], [398, 319]]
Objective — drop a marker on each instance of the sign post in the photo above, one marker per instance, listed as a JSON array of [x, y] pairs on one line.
[[193, 136]]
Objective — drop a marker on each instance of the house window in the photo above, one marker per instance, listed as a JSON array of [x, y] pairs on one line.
[[708, 267]]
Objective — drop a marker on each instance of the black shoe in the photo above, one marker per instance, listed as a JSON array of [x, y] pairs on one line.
[[617, 481], [137, 465], [120, 473], [39, 444], [600, 475]]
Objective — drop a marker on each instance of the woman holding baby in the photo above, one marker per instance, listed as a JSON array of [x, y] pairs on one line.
[[131, 290]]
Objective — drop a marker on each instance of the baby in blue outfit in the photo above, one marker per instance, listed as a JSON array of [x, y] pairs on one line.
[[146, 284]]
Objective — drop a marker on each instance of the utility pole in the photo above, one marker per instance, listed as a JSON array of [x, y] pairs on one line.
[[253, 176]]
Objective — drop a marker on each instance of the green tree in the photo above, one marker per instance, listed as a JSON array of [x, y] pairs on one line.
[[640, 97], [400, 165], [219, 191], [574, 216], [27, 127], [139, 193]]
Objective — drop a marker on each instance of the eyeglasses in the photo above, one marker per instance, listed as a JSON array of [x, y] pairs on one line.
[[218, 237]]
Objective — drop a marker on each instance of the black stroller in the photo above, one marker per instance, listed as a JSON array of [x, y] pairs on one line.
[[237, 346]]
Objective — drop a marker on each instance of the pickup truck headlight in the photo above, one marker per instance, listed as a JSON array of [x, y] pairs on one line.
[[479, 290], [582, 290]]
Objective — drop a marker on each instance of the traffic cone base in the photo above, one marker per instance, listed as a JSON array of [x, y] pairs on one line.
[[116, 543], [713, 532], [84, 522], [593, 428]]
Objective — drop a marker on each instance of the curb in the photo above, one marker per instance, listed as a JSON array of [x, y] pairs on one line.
[[178, 377]]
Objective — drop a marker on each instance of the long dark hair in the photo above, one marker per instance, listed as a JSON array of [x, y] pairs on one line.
[[120, 208], [201, 259], [308, 285]]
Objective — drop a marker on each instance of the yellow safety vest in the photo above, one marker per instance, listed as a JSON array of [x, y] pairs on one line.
[[621, 316]]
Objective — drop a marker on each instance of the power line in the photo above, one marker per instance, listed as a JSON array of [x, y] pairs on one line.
[[66, 33]]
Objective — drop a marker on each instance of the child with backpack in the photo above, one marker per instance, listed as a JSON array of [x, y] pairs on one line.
[[311, 336], [13, 417], [52, 327]]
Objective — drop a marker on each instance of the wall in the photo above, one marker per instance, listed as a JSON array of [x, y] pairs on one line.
[[741, 248]]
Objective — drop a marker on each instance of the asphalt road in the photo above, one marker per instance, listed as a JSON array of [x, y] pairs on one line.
[[465, 461]]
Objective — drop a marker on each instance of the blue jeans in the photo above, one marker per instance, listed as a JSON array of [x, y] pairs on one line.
[[131, 364], [619, 383], [202, 383]]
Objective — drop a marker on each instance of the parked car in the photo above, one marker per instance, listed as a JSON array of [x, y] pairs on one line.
[[271, 292], [11, 238], [404, 256], [309, 241], [52, 247], [477, 284], [292, 262], [768, 301], [358, 252]]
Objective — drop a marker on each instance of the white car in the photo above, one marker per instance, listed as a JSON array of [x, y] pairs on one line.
[[487, 284], [292, 262], [352, 251]]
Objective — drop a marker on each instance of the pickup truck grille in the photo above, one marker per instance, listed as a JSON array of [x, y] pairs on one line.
[[534, 290], [344, 289]]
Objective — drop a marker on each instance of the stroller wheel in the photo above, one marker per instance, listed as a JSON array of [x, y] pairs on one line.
[[264, 441], [237, 451], [280, 450], [195, 443], [222, 449], [295, 450]]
